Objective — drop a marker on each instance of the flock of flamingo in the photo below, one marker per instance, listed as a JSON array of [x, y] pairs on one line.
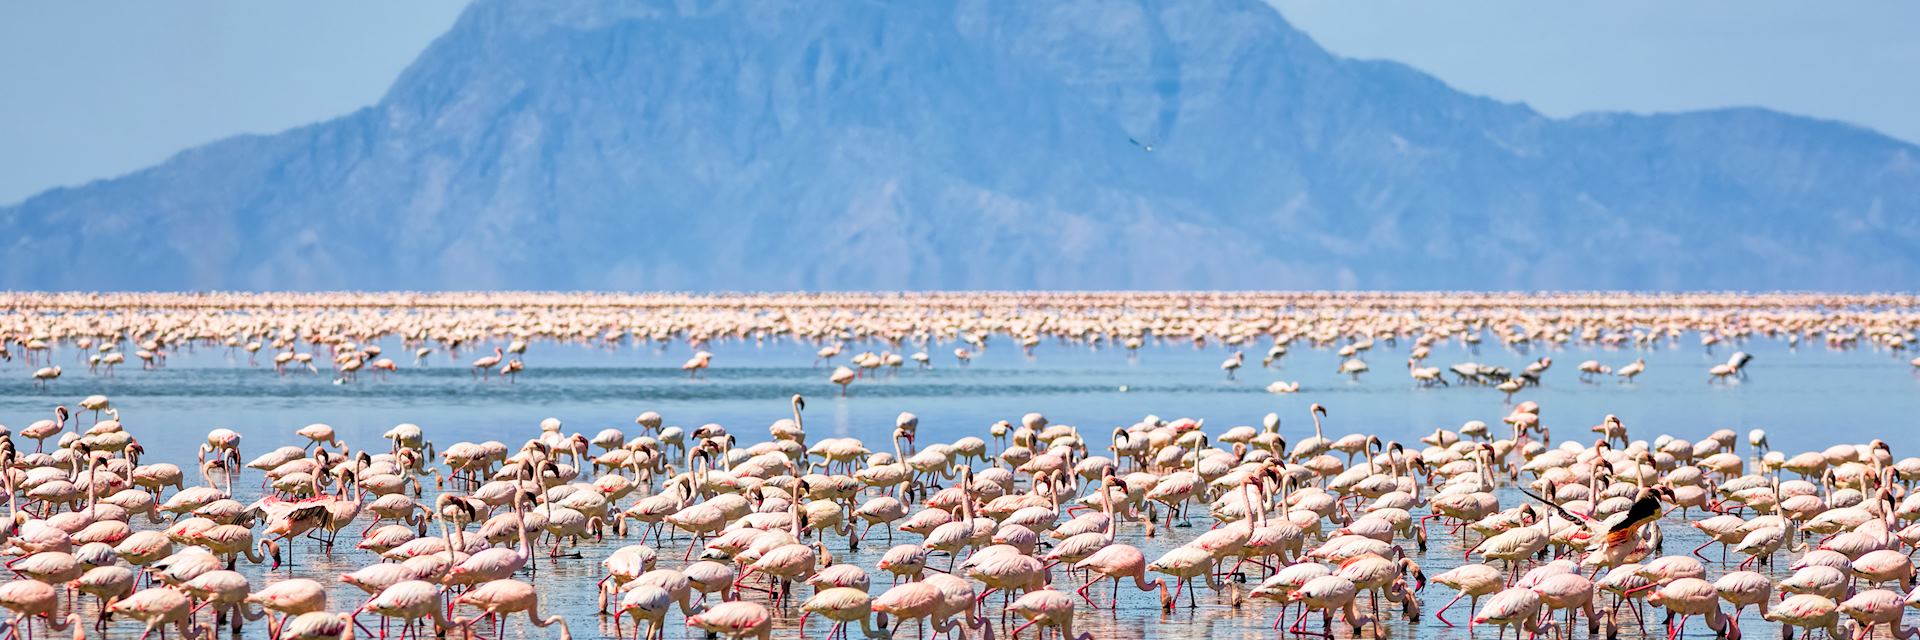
[[342, 330], [1028, 521], [1029, 525]]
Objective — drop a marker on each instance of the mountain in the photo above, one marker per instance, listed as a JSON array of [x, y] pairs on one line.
[[859, 144]]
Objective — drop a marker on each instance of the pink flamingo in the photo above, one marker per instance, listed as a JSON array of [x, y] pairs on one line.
[[489, 362], [1471, 581], [1048, 608], [506, 596], [1873, 608], [410, 600], [738, 619], [158, 607], [842, 605], [289, 598], [1693, 596]]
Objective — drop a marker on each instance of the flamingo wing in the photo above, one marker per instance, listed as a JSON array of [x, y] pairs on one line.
[[314, 512], [1564, 513]]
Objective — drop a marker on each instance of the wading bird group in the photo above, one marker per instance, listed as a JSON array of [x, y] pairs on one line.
[[341, 333], [1027, 526]]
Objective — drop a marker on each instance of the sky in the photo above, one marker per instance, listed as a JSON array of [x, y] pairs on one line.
[[1856, 61], [98, 88]]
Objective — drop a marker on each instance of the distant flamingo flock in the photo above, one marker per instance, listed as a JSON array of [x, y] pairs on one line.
[[301, 333]]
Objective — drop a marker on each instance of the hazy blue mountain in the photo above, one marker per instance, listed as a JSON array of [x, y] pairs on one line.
[[771, 144]]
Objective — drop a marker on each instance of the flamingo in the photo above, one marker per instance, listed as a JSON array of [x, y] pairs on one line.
[[410, 600], [1233, 363], [1048, 608], [842, 376], [1807, 611], [699, 362], [1689, 597], [1875, 607], [1471, 581], [1327, 593], [1635, 368], [1185, 564], [482, 365], [736, 619], [494, 563], [317, 625], [158, 607], [1515, 607], [110, 582], [289, 598], [41, 430], [500, 597], [1572, 593], [842, 605]]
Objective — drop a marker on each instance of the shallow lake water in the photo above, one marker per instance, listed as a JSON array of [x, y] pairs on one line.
[[1805, 398]]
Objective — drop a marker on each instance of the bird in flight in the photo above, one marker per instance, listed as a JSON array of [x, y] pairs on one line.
[[1620, 528], [1143, 145]]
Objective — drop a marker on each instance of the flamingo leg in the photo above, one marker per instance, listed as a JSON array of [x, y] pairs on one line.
[[1674, 630], [1083, 592], [1297, 621], [1442, 613], [1473, 607]]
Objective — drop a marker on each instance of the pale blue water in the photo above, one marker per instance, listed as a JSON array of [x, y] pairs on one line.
[[1806, 398]]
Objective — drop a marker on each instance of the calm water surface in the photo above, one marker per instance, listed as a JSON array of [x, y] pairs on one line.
[[1806, 398]]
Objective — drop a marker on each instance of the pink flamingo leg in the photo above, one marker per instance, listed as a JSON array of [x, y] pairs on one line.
[[1675, 631], [1442, 613], [1083, 592]]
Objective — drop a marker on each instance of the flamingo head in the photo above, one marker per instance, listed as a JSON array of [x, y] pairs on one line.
[[1412, 570]]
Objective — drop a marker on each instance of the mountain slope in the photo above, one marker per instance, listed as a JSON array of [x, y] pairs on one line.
[[760, 144]]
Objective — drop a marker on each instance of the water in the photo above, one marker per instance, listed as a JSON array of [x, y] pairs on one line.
[[1806, 398]]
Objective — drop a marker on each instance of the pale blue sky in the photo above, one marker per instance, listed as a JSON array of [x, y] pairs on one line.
[[96, 88]]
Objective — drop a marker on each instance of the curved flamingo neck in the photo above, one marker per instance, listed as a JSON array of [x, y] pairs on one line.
[[1140, 579], [966, 500], [440, 507], [797, 424], [793, 511], [1106, 502], [93, 495], [520, 525], [1247, 495]]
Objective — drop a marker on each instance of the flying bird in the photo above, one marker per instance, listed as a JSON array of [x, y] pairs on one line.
[[1618, 530]]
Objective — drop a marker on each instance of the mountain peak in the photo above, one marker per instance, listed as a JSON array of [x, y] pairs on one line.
[[746, 144]]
